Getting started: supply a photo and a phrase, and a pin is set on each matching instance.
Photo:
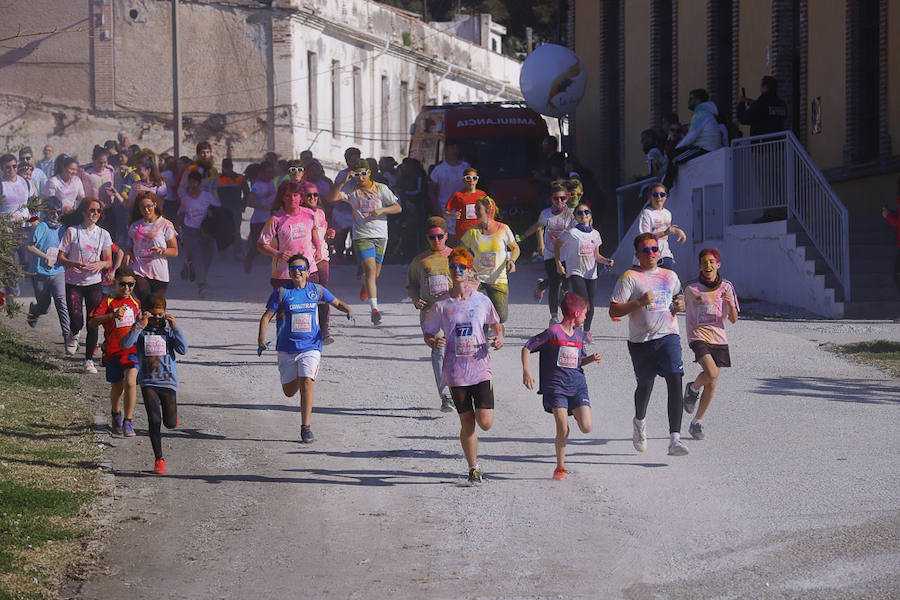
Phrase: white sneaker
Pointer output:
(89, 367)
(639, 436)
(71, 345)
(676, 448)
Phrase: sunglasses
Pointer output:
(148, 206)
(295, 169)
(458, 267)
(360, 173)
(585, 211)
(128, 284)
(650, 249)
(94, 211)
(26, 158)
(470, 177)
(435, 238)
(312, 195)
(301, 268)
(660, 194)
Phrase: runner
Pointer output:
(551, 223)
(153, 243)
(428, 280)
(49, 279)
(658, 220)
(195, 205)
(262, 199)
(290, 231)
(647, 294)
(84, 252)
(577, 253)
(372, 202)
(461, 205)
(311, 195)
(65, 185)
(708, 301)
(156, 339)
(495, 250)
(117, 313)
(462, 316)
(299, 339)
(563, 384)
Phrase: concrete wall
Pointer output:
(691, 52)
(587, 116)
(826, 76)
(754, 43)
(637, 89)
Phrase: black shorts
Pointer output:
(469, 397)
(719, 352)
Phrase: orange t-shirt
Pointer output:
(464, 201)
(117, 329)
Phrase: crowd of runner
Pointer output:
(100, 246)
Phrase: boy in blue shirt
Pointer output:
(563, 384)
(299, 341)
(48, 279)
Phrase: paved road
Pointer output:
(794, 492)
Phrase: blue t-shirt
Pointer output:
(560, 363)
(298, 330)
(44, 238)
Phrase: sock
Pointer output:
(694, 388)
(695, 421)
(373, 302)
(477, 466)
(304, 426)
(674, 437)
(640, 422)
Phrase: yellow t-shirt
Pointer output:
(491, 253)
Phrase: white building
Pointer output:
(478, 28)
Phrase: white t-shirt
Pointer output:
(67, 192)
(656, 221)
(15, 198)
(579, 252)
(656, 320)
(265, 195)
(363, 203)
(449, 179)
(195, 209)
(554, 226)
(87, 246)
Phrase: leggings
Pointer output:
(145, 286)
(676, 401)
(499, 297)
(553, 281)
(584, 288)
(91, 295)
(161, 408)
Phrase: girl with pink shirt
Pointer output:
(153, 242)
(290, 231)
(311, 197)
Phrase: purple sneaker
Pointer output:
(117, 423)
(129, 428)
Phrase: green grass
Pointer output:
(884, 354)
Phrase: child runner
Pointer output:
(649, 296)
(299, 342)
(658, 220)
(117, 313)
(551, 224)
(461, 205)
(563, 384)
(427, 281)
(195, 206)
(156, 339)
(153, 243)
(49, 280)
(467, 364)
(708, 301)
(577, 253)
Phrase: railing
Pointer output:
(629, 204)
(772, 172)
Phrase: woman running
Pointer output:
(65, 185)
(494, 247)
(85, 253)
(551, 223)
(156, 338)
(153, 243)
(462, 316)
(311, 196)
(291, 230)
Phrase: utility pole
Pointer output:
(176, 95)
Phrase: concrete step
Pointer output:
(871, 310)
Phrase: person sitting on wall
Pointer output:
(702, 137)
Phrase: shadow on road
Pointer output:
(863, 391)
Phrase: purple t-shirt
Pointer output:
(560, 363)
(466, 358)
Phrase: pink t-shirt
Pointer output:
(67, 193)
(292, 233)
(94, 181)
(144, 236)
(466, 357)
(82, 245)
(706, 311)
(656, 320)
(195, 209)
(321, 230)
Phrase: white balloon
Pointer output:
(552, 80)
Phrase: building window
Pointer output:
(421, 95)
(385, 110)
(312, 80)
(404, 105)
(335, 97)
(357, 103)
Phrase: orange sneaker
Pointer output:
(559, 474)
(160, 467)
(363, 295)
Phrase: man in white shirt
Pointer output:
(38, 176)
(447, 178)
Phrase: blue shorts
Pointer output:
(569, 401)
(370, 248)
(115, 367)
(657, 357)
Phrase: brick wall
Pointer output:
(103, 72)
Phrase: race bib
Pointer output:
(470, 212)
(568, 357)
(586, 249)
(707, 314)
(154, 345)
(466, 344)
(488, 260)
(127, 319)
(661, 301)
(438, 284)
(301, 323)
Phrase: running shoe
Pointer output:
(447, 404)
(71, 345)
(588, 338)
(559, 474)
(538, 291)
(476, 475)
(89, 368)
(639, 436)
(696, 431)
(31, 319)
(117, 423)
(376, 317)
(363, 294)
(128, 429)
(690, 399)
(676, 448)
(306, 435)
(159, 467)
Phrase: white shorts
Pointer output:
(292, 365)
